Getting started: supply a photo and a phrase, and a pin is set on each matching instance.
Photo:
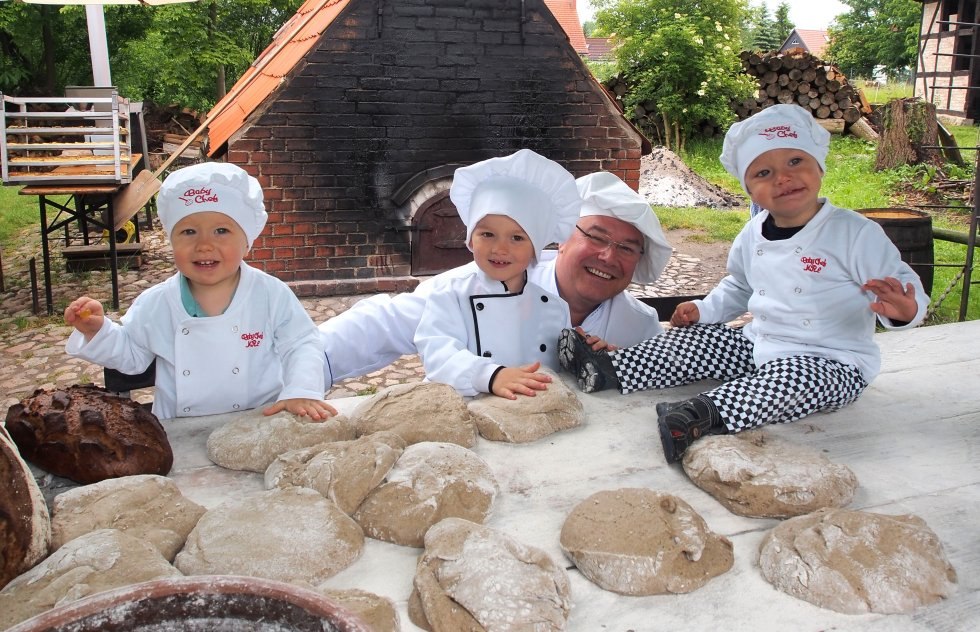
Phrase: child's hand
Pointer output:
(893, 302)
(511, 382)
(687, 313)
(315, 409)
(597, 343)
(86, 315)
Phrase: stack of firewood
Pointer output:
(798, 77)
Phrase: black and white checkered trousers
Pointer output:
(780, 391)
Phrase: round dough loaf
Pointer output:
(292, 534)
(87, 434)
(421, 411)
(760, 476)
(253, 441)
(25, 526)
(475, 578)
(856, 562)
(343, 471)
(430, 481)
(527, 419)
(150, 508)
(640, 542)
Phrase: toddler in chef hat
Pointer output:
(815, 278)
(487, 329)
(224, 335)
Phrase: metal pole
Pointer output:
(98, 46)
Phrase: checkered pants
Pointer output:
(780, 391)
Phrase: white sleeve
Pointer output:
(730, 298)
(300, 350)
(113, 347)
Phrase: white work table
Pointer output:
(912, 440)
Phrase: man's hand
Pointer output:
(685, 314)
(894, 301)
(86, 315)
(315, 409)
(511, 382)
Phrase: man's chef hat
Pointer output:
(781, 126)
(213, 186)
(537, 193)
(605, 194)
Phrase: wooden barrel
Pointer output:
(911, 232)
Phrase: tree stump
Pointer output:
(910, 134)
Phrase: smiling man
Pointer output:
(617, 240)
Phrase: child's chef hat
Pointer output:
(781, 126)
(605, 194)
(537, 193)
(213, 186)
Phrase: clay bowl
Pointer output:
(197, 604)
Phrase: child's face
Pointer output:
(502, 250)
(786, 182)
(208, 248)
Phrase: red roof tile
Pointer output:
(813, 40)
(567, 16)
(600, 48)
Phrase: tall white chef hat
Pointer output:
(781, 126)
(537, 193)
(213, 186)
(605, 194)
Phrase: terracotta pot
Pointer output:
(199, 603)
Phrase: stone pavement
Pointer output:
(32, 352)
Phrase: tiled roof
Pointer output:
(567, 16)
(600, 49)
(289, 45)
(813, 40)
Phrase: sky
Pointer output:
(805, 14)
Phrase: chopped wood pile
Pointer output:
(798, 77)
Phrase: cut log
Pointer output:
(834, 126)
(862, 129)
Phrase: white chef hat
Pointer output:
(603, 193)
(220, 187)
(781, 126)
(537, 193)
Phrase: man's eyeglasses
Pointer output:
(600, 243)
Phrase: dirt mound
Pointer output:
(666, 181)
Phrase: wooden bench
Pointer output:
(96, 257)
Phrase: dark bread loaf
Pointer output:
(88, 434)
(25, 525)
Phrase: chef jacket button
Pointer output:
(759, 252)
(235, 329)
(234, 371)
(479, 306)
(544, 299)
(236, 406)
(763, 317)
(798, 290)
(487, 354)
(185, 331)
(798, 250)
(186, 372)
(762, 292)
(543, 347)
(806, 323)
(187, 409)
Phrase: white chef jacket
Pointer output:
(805, 292)
(216, 364)
(377, 331)
(472, 326)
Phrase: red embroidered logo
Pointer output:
(813, 264)
(779, 131)
(253, 339)
(198, 196)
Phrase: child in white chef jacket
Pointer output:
(815, 278)
(487, 329)
(225, 336)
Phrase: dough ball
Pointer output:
(642, 542)
(253, 441)
(290, 534)
(377, 612)
(474, 578)
(528, 419)
(343, 471)
(430, 481)
(150, 508)
(856, 562)
(756, 475)
(89, 564)
(25, 526)
(421, 411)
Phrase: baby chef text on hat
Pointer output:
(219, 187)
(780, 126)
(537, 193)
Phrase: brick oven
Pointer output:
(357, 115)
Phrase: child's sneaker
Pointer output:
(593, 369)
(682, 422)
